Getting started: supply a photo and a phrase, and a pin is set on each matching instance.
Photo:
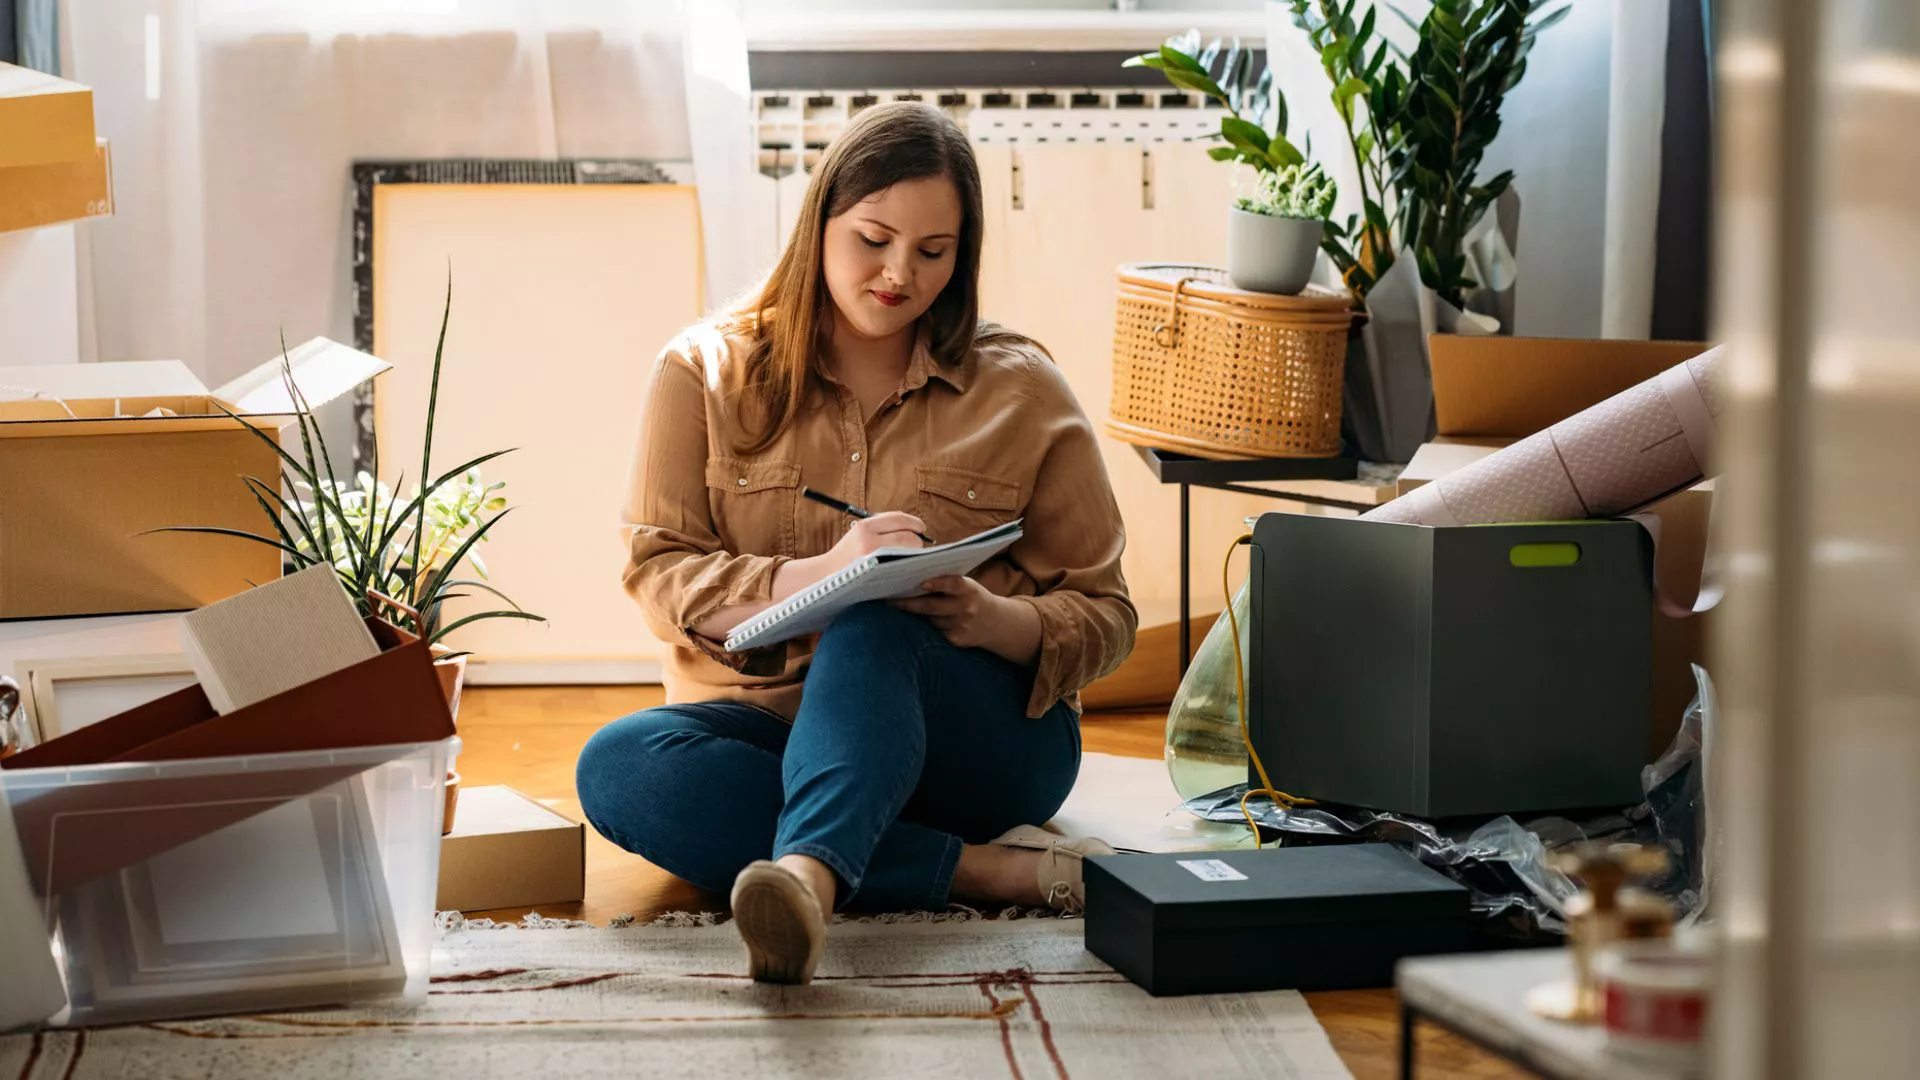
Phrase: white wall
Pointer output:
(39, 308)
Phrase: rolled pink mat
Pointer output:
(1634, 448)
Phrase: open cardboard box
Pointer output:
(1489, 392)
(55, 192)
(93, 457)
(79, 832)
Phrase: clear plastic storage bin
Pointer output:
(244, 884)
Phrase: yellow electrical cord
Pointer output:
(1240, 685)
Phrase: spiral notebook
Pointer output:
(887, 574)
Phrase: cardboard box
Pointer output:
(36, 195)
(106, 453)
(508, 851)
(1511, 387)
(76, 833)
(1677, 643)
(43, 120)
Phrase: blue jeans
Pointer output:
(904, 748)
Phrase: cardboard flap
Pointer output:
(322, 369)
(100, 382)
(1511, 387)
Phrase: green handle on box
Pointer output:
(1529, 556)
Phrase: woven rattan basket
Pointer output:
(1203, 368)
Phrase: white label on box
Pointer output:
(1211, 870)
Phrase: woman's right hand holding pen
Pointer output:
(890, 529)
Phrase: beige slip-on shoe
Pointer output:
(1060, 863)
(779, 919)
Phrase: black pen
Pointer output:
(847, 508)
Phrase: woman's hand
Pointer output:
(972, 618)
(868, 535)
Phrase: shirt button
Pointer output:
(743, 481)
(856, 455)
(970, 493)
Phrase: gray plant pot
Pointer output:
(1271, 254)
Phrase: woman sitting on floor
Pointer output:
(908, 753)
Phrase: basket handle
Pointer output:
(1167, 334)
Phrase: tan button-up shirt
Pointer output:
(996, 437)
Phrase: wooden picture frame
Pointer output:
(368, 175)
(41, 679)
(606, 266)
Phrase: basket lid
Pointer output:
(1211, 282)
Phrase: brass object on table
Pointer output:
(1607, 911)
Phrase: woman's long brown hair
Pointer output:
(883, 146)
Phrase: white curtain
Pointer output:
(234, 123)
(1582, 134)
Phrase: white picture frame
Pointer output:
(63, 694)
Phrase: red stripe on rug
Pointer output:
(478, 976)
(79, 1048)
(1006, 1030)
(1046, 1028)
(33, 1055)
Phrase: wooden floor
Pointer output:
(531, 737)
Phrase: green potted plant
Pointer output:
(1273, 234)
(399, 560)
(1418, 123)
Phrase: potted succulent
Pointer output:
(401, 560)
(1274, 234)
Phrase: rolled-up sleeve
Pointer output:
(1072, 547)
(676, 569)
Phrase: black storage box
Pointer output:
(1307, 918)
(1440, 672)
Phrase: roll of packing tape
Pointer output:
(1654, 998)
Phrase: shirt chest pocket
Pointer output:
(753, 504)
(956, 503)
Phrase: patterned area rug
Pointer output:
(1019, 998)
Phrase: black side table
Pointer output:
(1235, 476)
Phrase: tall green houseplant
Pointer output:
(1418, 126)
(378, 545)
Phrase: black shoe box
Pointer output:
(1306, 918)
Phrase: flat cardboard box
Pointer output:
(1511, 387)
(1677, 643)
(89, 467)
(508, 851)
(43, 120)
(57, 192)
(78, 832)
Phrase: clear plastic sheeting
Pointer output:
(1504, 862)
